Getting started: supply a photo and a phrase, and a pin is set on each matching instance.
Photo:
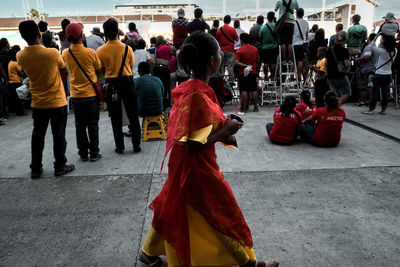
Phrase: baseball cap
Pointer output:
(74, 30)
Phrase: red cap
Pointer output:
(74, 30)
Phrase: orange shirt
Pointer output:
(90, 62)
(111, 55)
(42, 66)
(13, 72)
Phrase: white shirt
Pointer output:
(237, 44)
(140, 55)
(382, 56)
(304, 30)
(94, 41)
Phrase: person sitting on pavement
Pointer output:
(83, 96)
(287, 123)
(306, 107)
(247, 59)
(149, 90)
(49, 102)
(338, 67)
(385, 57)
(269, 47)
(356, 35)
(328, 121)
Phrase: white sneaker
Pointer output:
(369, 112)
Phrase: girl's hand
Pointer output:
(232, 126)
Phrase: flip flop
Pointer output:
(146, 260)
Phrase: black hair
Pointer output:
(227, 19)
(314, 28)
(331, 100)
(46, 39)
(216, 23)
(236, 24)
(356, 18)
(320, 34)
(144, 68)
(260, 20)
(300, 12)
(13, 52)
(153, 40)
(288, 106)
(132, 44)
(323, 48)
(270, 16)
(372, 36)
(29, 30)
(64, 24)
(132, 26)
(160, 40)
(246, 38)
(197, 49)
(141, 44)
(339, 27)
(389, 43)
(42, 26)
(110, 28)
(4, 43)
(198, 12)
(306, 96)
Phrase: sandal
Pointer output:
(151, 261)
(261, 264)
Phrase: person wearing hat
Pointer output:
(356, 35)
(83, 96)
(49, 102)
(337, 67)
(390, 27)
(95, 40)
(179, 29)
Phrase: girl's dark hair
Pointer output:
(132, 44)
(331, 100)
(314, 28)
(320, 34)
(141, 44)
(389, 43)
(306, 96)
(64, 24)
(288, 106)
(197, 49)
(13, 52)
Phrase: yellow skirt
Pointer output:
(208, 247)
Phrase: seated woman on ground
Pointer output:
(287, 123)
(306, 107)
(329, 121)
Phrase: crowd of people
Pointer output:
(138, 80)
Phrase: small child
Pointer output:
(321, 82)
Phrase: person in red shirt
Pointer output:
(247, 57)
(306, 108)
(180, 29)
(226, 37)
(329, 121)
(287, 123)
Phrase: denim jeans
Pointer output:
(58, 121)
(307, 133)
(86, 116)
(381, 82)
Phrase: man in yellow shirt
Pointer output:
(83, 95)
(49, 103)
(111, 56)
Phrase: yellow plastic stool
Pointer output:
(154, 128)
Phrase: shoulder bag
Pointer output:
(305, 45)
(113, 84)
(341, 66)
(279, 24)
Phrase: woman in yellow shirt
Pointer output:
(15, 75)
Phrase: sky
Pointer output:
(10, 8)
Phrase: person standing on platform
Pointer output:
(179, 29)
(49, 103)
(269, 47)
(286, 34)
(356, 35)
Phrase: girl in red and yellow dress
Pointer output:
(197, 221)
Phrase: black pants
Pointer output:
(127, 97)
(14, 103)
(86, 116)
(321, 87)
(307, 133)
(381, 82)
(58, 121)
(3, 100)
(269, 127)
(165, 76)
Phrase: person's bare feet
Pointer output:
(251, 263)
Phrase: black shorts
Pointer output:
(269, 56)
(286, 35)
(299, 52)
(248, 83)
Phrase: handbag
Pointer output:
(96, 86)
(23, 92)
(342, 69)
(279, 23)
(112, 84)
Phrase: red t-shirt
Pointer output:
(224, 43)
(248, 54)
(163, 52)
(285, 128)
(329, 126)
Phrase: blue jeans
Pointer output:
(307, 133)
(381, 82)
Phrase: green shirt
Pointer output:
(267, 38)
(354, 30)
(293, 6)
